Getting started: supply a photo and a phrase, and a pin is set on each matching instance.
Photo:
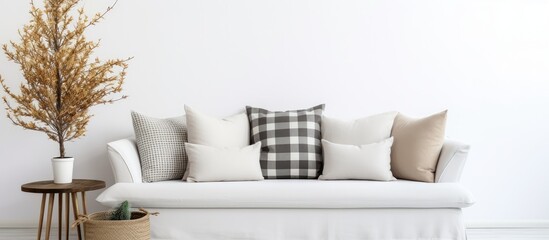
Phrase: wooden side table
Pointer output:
(70, 190)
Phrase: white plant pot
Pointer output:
(62, 169)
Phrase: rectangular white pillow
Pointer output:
(360, 131)
(369, 162)
(210, 164)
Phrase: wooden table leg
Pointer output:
(50, 211)
(67, 210)
(76, 212)
(41, 216)
(84, 203)
(84, 208)
(60, 216)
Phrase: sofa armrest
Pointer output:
(124, 160)
(451, 161)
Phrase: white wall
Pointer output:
(485, 61)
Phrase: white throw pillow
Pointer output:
(360, 131)
(369, 162)
(233, 131)
(210, 164)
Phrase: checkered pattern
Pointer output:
(290, 141)
(161, 147)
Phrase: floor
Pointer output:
(508, 234)
(473, 234)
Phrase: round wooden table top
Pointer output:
(77, 185)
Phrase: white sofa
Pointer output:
(296, 209)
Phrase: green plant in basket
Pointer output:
(123, 212)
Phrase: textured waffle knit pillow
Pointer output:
(161, 147)
(290, 141)
(417, 145)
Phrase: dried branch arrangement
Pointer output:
(61, 79)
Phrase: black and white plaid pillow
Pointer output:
(161, 146)
(290, 141)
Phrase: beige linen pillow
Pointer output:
(416, 147)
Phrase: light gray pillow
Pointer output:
(213, 164)
(161, 146)
(359, 131)
(368, 161)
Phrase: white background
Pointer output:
(485, 61)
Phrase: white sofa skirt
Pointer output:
(313, 224)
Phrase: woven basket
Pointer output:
(98, 227)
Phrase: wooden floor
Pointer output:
(28, 234)
(472, 234)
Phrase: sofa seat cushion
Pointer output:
(289, 194)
